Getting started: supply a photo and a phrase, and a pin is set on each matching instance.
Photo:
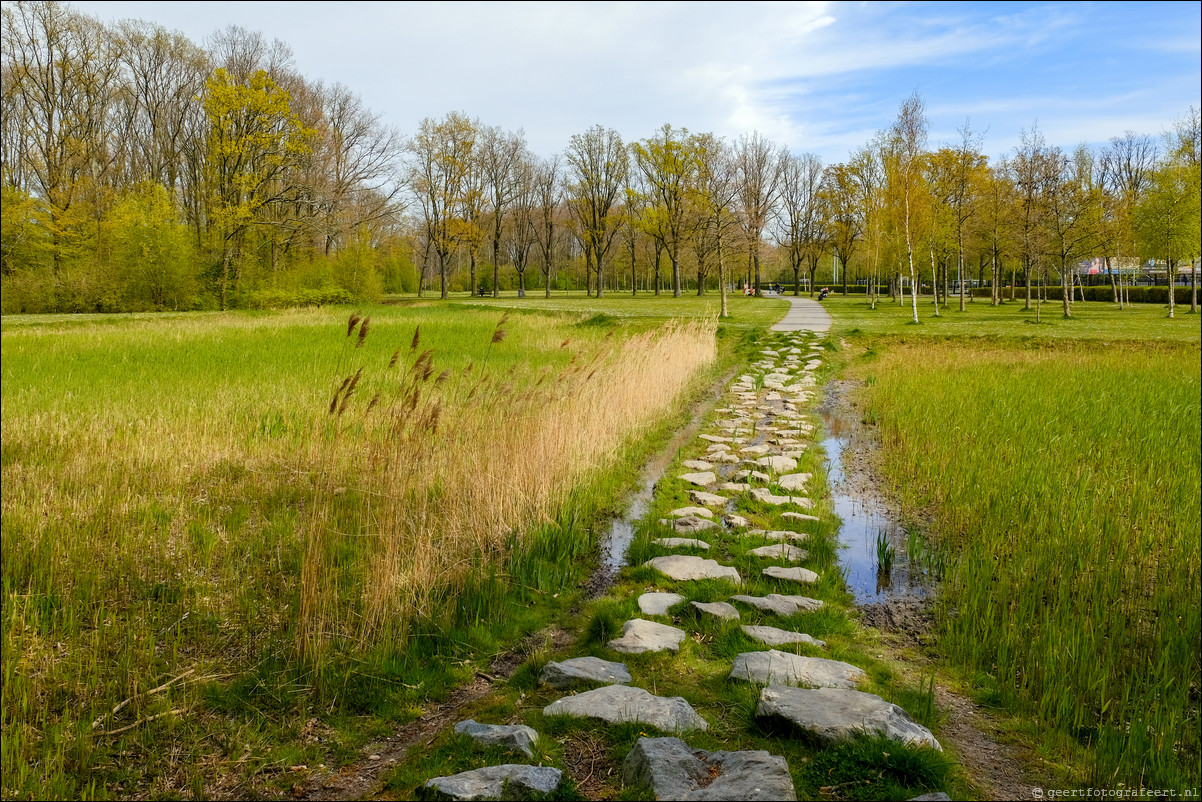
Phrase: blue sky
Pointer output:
(818, 77)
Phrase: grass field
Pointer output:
(1058, 468)
(218, 526)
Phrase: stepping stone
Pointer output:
(658, 603)
(760, 449)
(781, 551)
(639, 637)
(513, 736)
(781, 637)
(740, 476)
(514, 779)
(673, 770)
(681, 543)
(584, 671)
(802, 575)
(794, 481)
(615, 704)
(781, 668)
(799, 516)
(703, 479)
(713, 438)
(734, 487)
(691, 524)
(721, 610)
(680, 567)
(836, 714)
(726, 458)
(781, 605)
(778, 464)
(683, 512)
(736, 521)
(707, 499)
(781, 534)
(697, 465)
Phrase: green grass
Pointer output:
(159, 482)
(1092, 320)
(1063, 480)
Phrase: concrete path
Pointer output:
(805, 315)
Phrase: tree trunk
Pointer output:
(674, 256)
(1171, 272)
(935, 282)
(496, 268)
(1193, 284)
(1066, 288)
(960, 266)
(471, 252)
(1027, 278)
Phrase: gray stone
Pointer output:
(835, 714)
(683, 512)
(757, 450)
(584, 671)
(707, 499)
(780, 604)
(734, 487)
(803, 575)
(737, 521)
(513, 780)
(693, 523)
(512, 736)
(681, 543)
(639, 636)
(674, 771)
(703, 479)
(658, 603)
(697, 465)
(793, 481)
(799, 516)
(726, 458)
(938, 796)
(781, 534)
(713, 438)
(684, 568)
(781, 551)
(781, 637)
(614, 704)
(721, 610)
(782, 668)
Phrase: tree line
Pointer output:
(140, 170)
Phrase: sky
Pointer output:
(819, 77)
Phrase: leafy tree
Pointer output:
(442, 153)
(599, 165)
(668, 169)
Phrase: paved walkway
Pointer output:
(805, 315)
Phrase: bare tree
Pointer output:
(549, 194)
(442, 151)
(801, 230)
(500, 155)
(759, 168)
(599, 164)
(715, 197)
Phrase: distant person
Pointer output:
(822, 293)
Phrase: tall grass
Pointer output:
(185, 523)
(1064, 482)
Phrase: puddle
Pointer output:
(864, 517)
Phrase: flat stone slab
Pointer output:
(782, 668)
(794, 481)
(837, 714)
(584, 671)
(798, 574)
(736, 521)
(707, 499)
(690, 524)
(781, 535)
(702, 479)
(781, 604)
(658, 603)
(759, 450)
(781, 637)
(777, 464)
(684, 512)
(639, 637)
(781, 551)
(615, 704)
(516, 780)
(697, 465)
(512, 736)
(741, 476)
(685, 568)
(734, 487)
(766, 496)
(721, 610)
(714, 438)
(799, 516)
(681, 543)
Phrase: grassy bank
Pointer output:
(237, 543)
(1058, 473)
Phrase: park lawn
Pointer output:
(1092, 320)
(182, 507)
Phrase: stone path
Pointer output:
(752, 456)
